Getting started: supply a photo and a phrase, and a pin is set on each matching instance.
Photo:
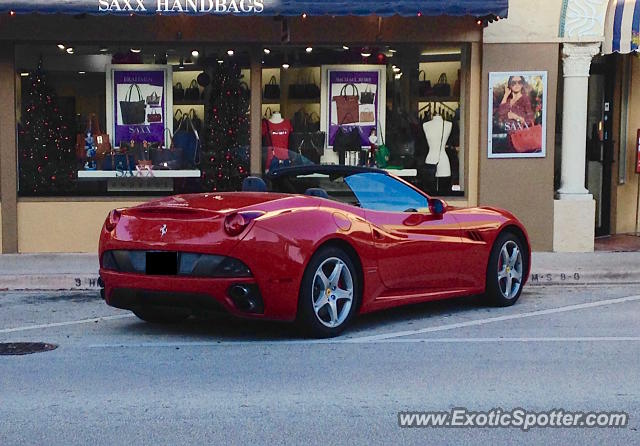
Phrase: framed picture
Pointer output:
(354, 100)
(517, 125)
(139, 100)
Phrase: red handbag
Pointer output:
(347, 105)
(527, 140)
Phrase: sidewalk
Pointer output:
(80, 271)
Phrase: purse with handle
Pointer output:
(442, 88)
(527, 140)
(347, 105)
(133, 111)
(272, 89)
(367, 96)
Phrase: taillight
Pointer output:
(113, 219)
(235, 223)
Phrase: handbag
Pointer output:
(133, 112)
(442, 88)
(153, 100)
(347, 105)
(166, 158)
(298, 90)
(311, 90)
(154, 117)
(347, 140)
(367, 97)
(186, 139)
(367, 116)
(272, 89)
(424, 85)
(313, 122)
(178, 92)
(195, 120)
(192, 93)
(527, 140)
(177, 119)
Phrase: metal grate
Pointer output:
(25, 348)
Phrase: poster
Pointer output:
(353, 100)
(518, 114)
(139, 97)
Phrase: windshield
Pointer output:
(369, 190)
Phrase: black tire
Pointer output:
(496, 288)
(160, 315)
(307, 320)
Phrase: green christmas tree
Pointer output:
(225, 154)
(46, 149)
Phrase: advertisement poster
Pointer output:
(353, 101)
(138, 104)
(518, 114)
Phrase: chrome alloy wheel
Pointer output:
(332, 292)
(510, 269)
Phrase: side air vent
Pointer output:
(475, 236)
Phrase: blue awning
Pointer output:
(476, 8)
(622, 27)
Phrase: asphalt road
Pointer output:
(122, 381)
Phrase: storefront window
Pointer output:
(96, 120)
(395, 108)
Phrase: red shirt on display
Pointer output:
(277, 137)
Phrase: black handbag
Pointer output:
(133, 112)
(177, 119)
(195, 120)
(442, 88)
(367, 96)
(311, 90)
(272, 89)
(192, 93)
(178, 92)
(424, 85)
(347, 140)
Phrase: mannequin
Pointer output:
(437, 132)
(276, 131)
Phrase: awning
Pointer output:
(476, 8)
(622, 27)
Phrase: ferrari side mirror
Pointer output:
(436, 206)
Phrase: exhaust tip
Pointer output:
(247, 298)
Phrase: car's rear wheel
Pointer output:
(160, 315)
(329, 293)
(506, 270)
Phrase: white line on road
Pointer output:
(63, 324)
(382, 341)
(507, 317)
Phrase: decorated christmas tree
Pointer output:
(45, 147)
(225, 152)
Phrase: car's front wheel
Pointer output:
(329, 293)
(506, 270)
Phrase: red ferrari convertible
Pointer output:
(325, 243)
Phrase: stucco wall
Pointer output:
(57, 226)
(524, 186)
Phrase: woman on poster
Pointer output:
(516, 114)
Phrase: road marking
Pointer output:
(64, 324)
(490, 320)
(382, 341)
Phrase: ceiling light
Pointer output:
(135, 50)
(82, 72)
(309, 49)
(345, 47)
(70, 50)
(267, 51)
(61, 46)
(304, 15)
(220, 61)
(365, 53)
(230, 53)
(104, 50)
(24, 74)
(195, 53)
(285, 66)
(398, 76)
(396, 69)
(391, 50)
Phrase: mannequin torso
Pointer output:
(437, 132)
(276, 118)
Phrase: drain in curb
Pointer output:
(25, 348)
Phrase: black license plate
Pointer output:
(162, 263)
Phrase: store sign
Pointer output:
(182, 6)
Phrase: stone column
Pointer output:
(574, 209)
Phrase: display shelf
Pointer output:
(189, 102)
(103, 174)
(271, 101)
(403, 172)
(304, 101)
